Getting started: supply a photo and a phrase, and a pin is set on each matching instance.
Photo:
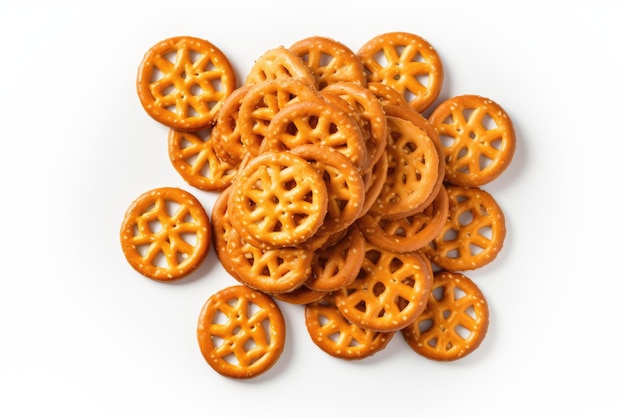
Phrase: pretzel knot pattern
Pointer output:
(182, 82)
(454, 322)
(153, 231)
(241, 332)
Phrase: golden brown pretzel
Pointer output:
(330, 60)
(193, 156)
(184, 93)
(226, 134)
(410, 233)
(337, 265)
(455, 320)
(165, 234)
(401, 60)
(414, 170)
(241, 332)
(478, 139)
(279, 62)
(473, 234)
(391, 291)
(268, 270)
(316, 122)
(277, 200)
(338, 337)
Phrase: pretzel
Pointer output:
(407, 234)
(279, 62)
(226, 134)
(261, 103)
(371, 114)
(193, 156)
(478, 139)
(270, 271)
(316, 122)
(455, 320)
(344, 185)
(331, 61)
(185, 92)
(165, 234)
(338, 337)
(337, 265)
(390, 292)
(401, 60)
(414, 173)
(277, 200)
(473, 233)
(241, 332)
(374, 180)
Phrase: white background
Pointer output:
(85, 335)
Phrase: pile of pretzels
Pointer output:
(336, 191)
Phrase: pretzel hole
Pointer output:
(486, 232)
(378, 289)
(361, 306)
(466, 217)
(475, 249)
(450, 235)
(409, 148)
(425, 325)
(373, 256)
(423, 79)
(462, 331)
(445, 314)
(459, 293)
(484, 161)
(467, 113)
(380, 58)
(155, 226)
(488, 122)
(446, 140)
(395, 264)
(470, 311)
(437, 293)
(453, 254)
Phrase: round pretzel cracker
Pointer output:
(279, 62)
(331, 61)
(241, 332)
(165, 234)
(277, 200)
(390, 292)
(455, 320)
(402, 60)
(477, 136)
(186, 91)
(332, 333)
(473, 234)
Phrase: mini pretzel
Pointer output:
(270, 271)
(279, 62)
(316, 122)
(407, 234)
(241, 332)
(184, 92)
(390, 292)
(413, 172)
(226, 134)
(401, 60)
(455, 320)
(165, 234)
(473, 233)
(371, 114)
(193, 156)
(263, 101)
(331, 61)
(344, 185)
(337, 265)
(278, 200)
(338, 337)
(478, 139)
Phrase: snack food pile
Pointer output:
(335, 192)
